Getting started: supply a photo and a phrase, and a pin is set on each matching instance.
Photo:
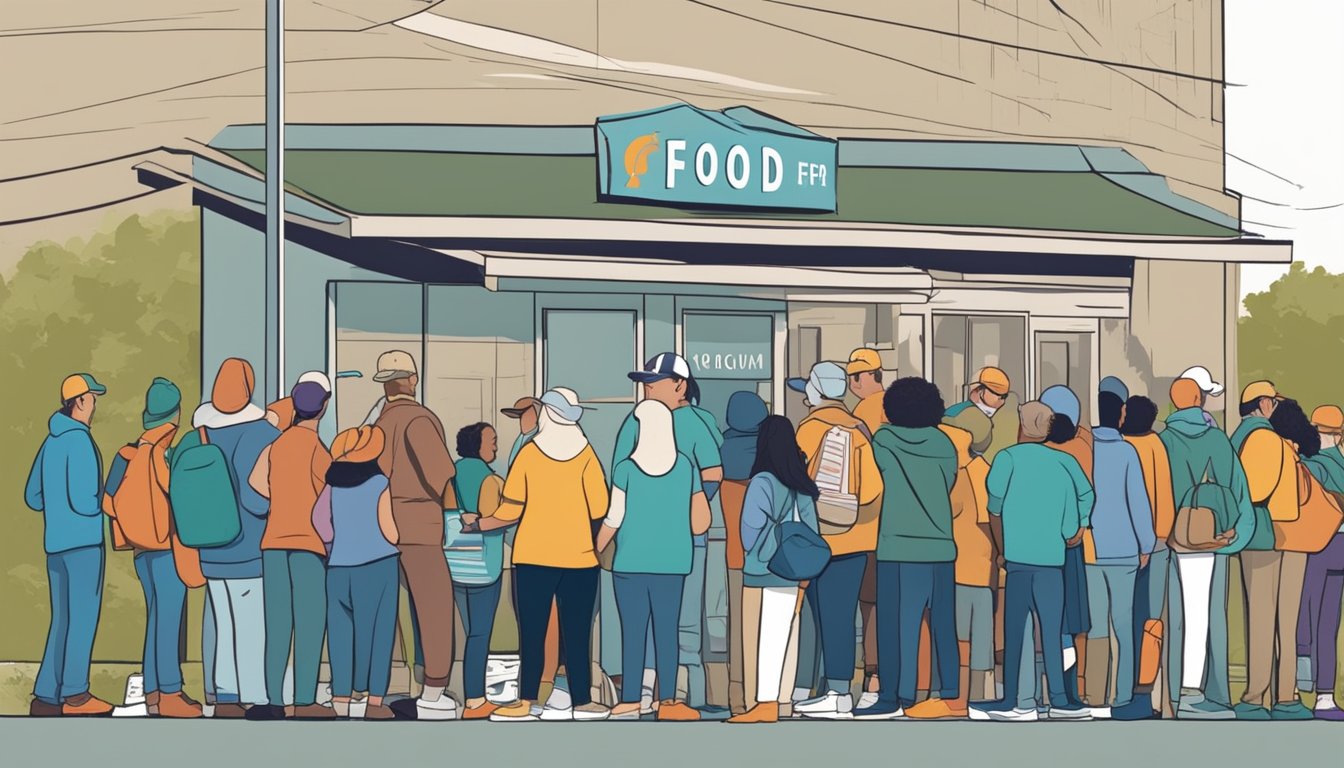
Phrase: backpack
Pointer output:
(1317, 522)
(1198, 522)
(140, 508)
(838, 505)
(800, 552)
(205, 505)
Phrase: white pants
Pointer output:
(240, 645)
(1196, 572)
(778, 631)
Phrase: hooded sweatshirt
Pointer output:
(865, 479)
(1327, 467)
(919, 469)
(975, 547)
(746, 411)
(1192, 445)
(1122, 519)
(556, 487)
(1044, 499)
(1270, 464)
(66, 485)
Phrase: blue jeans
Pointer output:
(643, 599)
(477, 604)
(1038, 590)
(1110, 598)
(165, 602)
(294, 584)
(904, 592)
(75, 580)
(834, 597)
(362, 625)
(690, 632)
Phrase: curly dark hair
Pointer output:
(913, 402)
(469, 440)
(1291, 423)
(1140, 415)
(1062, 430)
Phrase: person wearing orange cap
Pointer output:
(353, 518)
(1204, 460)
(865, 382)
(65, 485)
(989, 392)
(1319, 614)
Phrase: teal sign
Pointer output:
(729, 346)
(687, 157)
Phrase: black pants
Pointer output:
(575, 592)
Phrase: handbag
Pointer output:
(1316, 524)
(801, 554)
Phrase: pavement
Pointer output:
(205, 743)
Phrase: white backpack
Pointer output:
(838, 505)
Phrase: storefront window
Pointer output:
(729, 352)
(962, 345)
(593, 352)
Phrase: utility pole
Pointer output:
(275, 198)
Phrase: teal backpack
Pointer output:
(205, 506)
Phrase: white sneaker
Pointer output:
(505, 692)
(1014, 716)
(207, 710)
(867, 699)
(358, 707)
(134, 710)
(559, 707)
(444, 708)
(1064, 714)
(832, 706)
(591, 712)
(1100, 713)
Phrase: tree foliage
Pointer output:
(125, 306)
(1294, 336)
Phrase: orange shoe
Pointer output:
(936, 709)
(765, 712)
(177, 706)
(86, 705)
(676, 712)
(483, 712)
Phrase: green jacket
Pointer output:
(1192, 447)
(1328, 468)
(919, 468)
(1044, 498)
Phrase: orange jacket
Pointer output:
(1157, 477)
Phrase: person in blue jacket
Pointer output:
(65, 485)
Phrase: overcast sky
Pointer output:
(1285, 114)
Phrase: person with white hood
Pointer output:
(555, 490)
(657, 505)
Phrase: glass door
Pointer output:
(593, 351)
(729, 352)
(1066, 359)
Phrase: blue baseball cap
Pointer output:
(563, 405)
(663, 366)
(1114, 386)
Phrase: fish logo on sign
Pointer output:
(637, 158)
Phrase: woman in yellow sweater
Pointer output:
(555, 490)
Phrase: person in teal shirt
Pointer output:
(657, 505)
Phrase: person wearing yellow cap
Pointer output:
(1319, 614)
(865, 382)
(65, 486)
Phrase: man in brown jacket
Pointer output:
(420, 472)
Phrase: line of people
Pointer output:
(987, 560)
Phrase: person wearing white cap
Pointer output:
(666, 378)
(554, 491)
(281, 412)
(1201, 376)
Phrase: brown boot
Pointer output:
(176, 706)
(379, 712)
(40, 708)
(765, 712)
(316, 712)
(230, 711)
(86, 705)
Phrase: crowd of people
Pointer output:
(990, 560)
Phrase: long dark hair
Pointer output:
(1291, 423)
(777, 453)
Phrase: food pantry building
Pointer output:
(511, 259)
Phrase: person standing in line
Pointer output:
(865, 383)
(746, 412)
(839, 455)
(657, 505)
(478, 565)
(1069, 435)
(556, 488)
(1038, 500)
(1123, 541)
(916, 552)
(353, 518)
(1272, 579)
(65, 485)
(702, 586)
(1202, 456)
(525, 410)
(1318, 622)
(233, 572)
(291, 472)
(780, 490)
(1207, 386)
(281, 412)
(136, 499)
(420, 471)
(1150, 592)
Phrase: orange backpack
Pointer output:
(1318, 521)
(140, 509)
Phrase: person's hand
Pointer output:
(1228, 536)
(1076, 540)
(1143, 561)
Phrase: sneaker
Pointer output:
(1070, 713)
(133, 710)
(442, 708)
(980, 711)
(591, 712)
(831, 706)
(1099, 713)
(265, 713)
(630, 712)
(1291, 710)
(880, 710)
(1331, 714)
(378, 712)
(502, 692)
(1196, 707)
(1137, 709)
(936, 709)
(867, 699)
(1245, 711)
(646, 700)
(359, 708)
(86, 705)
(518, 712)
(675, 712)
(1003, 712)
(559, 705)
